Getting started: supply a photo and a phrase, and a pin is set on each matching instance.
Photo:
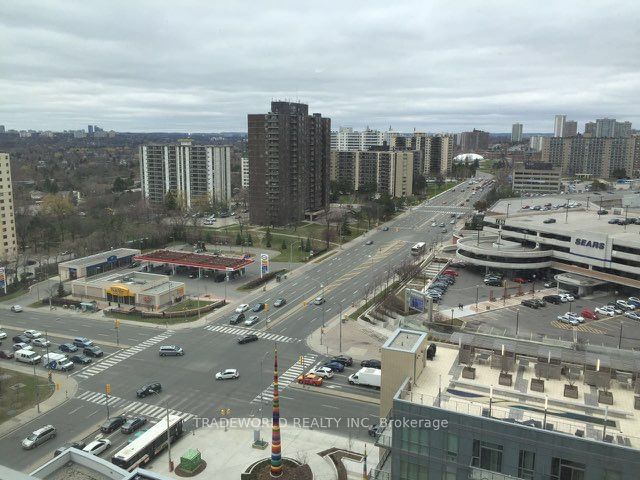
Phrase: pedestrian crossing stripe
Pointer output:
(579, 328)
(288, 377)
(132, 407)
(115, 358)
(246, 331)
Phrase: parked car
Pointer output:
(566, 297)
(344, 359)
(605, 310)
(68, 348)
(371, 363)
(450, 272)
(555, 299)
(41, 342)
(529, 303)
(318, 301)
(335, 366)
(31, 334)
(16, 308)
(539, 302)
(243, 307)
(568, 319)
(81, 359)
(634, 301)
(549, 220)
(6, 354)
(82, 342)
(236, 319)
(62, 448)
(310, 379)
(171, 351)
(369, 242)
(616, 308)
(93, 351)
(3, 335)
(248, 339)
(132, 424)
(112, 424)
(550, 284)
(579, 318)
(258, 307)
(97, 446)
(588, 313)
(625, 305)
(149, 389)
(39, 436)
(21, 339)
(385, 229)
(279, 302)
(632, 315)
(324, 372)
(252, 320)
(228, 374)
(21, 346)
(520, 280)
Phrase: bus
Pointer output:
(418, 248)
(149, 444)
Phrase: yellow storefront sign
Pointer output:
(119, 291)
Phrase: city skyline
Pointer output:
(112, 64)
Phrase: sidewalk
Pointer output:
(234, 447)
(66, 388)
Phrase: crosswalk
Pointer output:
(579, 328)
(287, 378)
(118, 357)
(131, 407)
(238, 331)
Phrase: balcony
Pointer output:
(477, 473)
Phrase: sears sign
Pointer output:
(595, 246)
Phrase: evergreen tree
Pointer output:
(249, 239)
(170, 202)
(60, 290)
(284, 245)
(345, 231)
(238, 239)
(307, 248)
(267, 238)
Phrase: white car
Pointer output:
(568, 319)
(318, 301)
(21, 346)
(576, 316)
(324, 372)
(632, 315)
(605, 311)
(243, 307)
(228, 374)
(252, 320)
(3, 335)
(32, 334)
(16, 308)
(434, 224)
(625, 305)
(566, 297)
(97, 446)
(41, 342)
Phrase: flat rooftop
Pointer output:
(484, 396)
(198, 260)
(127, 277)
(405, 340)
(99, 258)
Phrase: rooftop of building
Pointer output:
(98, 258)
(405, 340)
(196, 260)
(505, 372)
(126, 277)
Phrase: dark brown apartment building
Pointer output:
(289, 152)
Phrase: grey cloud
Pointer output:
(202, 66)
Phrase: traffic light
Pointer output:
(266, 307)
(304, 304)
(301, 360)
(117, 323)
(107, 389)
(57, 386)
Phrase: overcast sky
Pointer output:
(199, 66)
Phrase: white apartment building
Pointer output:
(348, 140)
(244, 172)
(190, 171)
(516, 132)
(8, 243)
(535, 142)
(558, 125)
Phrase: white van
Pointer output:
(57, 361)
(27, 356)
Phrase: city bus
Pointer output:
(149, 444)
(418, 248)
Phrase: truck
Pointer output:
(57, 361)
(369, 377)
(27, 356)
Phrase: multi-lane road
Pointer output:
(188, 385)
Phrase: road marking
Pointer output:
(267, 335)
(287, 377)
(329, 406)
(75, 410)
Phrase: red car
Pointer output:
(520, 280)
(587, 313)
(6, 354)
(451, 273)
(310, 379)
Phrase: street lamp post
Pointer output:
(340, 341)
(517, 320)
(35, 387)
(477, 295)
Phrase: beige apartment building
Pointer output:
(8, 243)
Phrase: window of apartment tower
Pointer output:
(487, 456)
(413, 471)
(612, 475)
(451, 446)
(526, 464)
(415, 440)
(562, 469)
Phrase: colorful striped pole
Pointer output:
(364, 467)
(276, 456)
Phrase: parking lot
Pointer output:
(541, 322)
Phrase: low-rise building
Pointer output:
(536, 177)
(96, 264)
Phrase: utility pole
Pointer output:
(35, 387)
(620, 337)
(517, 320)
(340, 345)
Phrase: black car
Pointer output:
(603, 212)
(21, 339)
(371, 363)
(149, 389)
(555, 299)
(529, 303)
(248, 339)
(112, 424)
(549, 220)
(258, 307)
(279, 302)
(78, 445)
(493, 283)
(343, 359)
(132, 424)
(93, 351)
(236, 319)
(81, 359)
(68, 348)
